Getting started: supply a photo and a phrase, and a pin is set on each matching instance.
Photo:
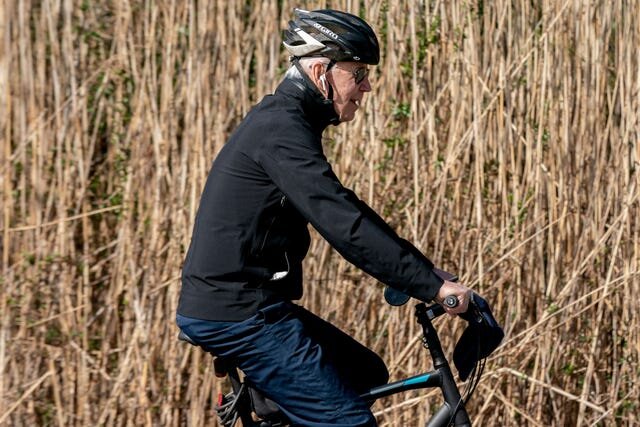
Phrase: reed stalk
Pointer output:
(501, 137)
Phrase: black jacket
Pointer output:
(268, 182)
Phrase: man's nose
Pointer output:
(365, 85)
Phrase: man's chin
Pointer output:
(347, 116)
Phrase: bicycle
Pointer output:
(481, 337)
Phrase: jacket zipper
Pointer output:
(273, 220)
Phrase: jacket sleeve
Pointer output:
(302, 172)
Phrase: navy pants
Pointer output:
(310, 368)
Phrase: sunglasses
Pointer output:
(359, 74)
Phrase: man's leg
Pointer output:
(359, 365)
(283, 360)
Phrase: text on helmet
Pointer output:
(326, 31)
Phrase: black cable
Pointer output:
(478, 371)
(470, 387)
(461, 400)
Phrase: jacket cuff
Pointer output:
(427, 288)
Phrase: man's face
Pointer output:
(348, 93)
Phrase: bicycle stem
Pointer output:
(449, 389)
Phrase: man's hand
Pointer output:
(457, 290)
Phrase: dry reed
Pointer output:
(501, 137)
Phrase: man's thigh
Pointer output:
(357, 364)
(296, 372)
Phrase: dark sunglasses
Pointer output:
(359, 74)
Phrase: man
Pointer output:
(244, 265)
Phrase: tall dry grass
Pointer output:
(501, 137)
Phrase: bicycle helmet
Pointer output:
(336, 35)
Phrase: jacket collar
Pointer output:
(320, 111)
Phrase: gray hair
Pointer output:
(306, 63)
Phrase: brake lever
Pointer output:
(473, 313)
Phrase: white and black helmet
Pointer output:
(336, 35)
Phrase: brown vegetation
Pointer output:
(501, 137)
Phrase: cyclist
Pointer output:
(244, 265)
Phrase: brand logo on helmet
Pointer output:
(326, 31)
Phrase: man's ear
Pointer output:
(318, 77)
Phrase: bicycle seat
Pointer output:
(220, 367)
(184, 337)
